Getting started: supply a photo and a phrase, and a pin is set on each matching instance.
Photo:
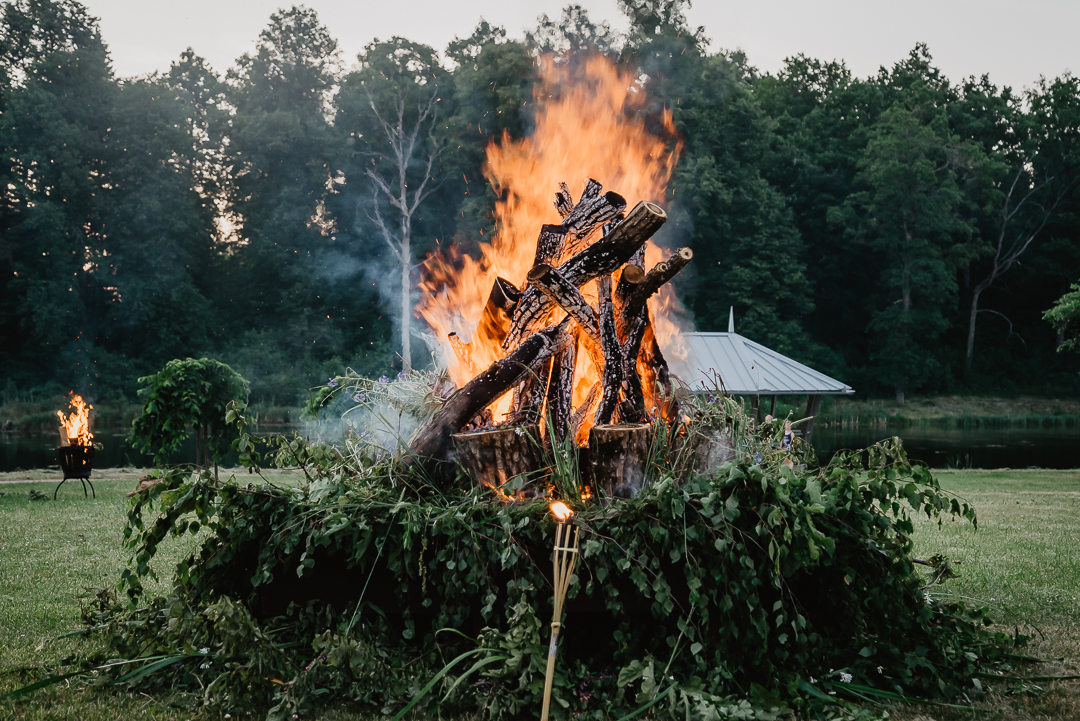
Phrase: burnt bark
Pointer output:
(432, 441)
(528, 403)
(609, 341)
(549, 246)
(553, 285)
(602, 257)
(495, 321)
(652, 282)
(560, 391)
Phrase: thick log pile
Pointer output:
(539, 327)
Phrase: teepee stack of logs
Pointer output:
(540, 327)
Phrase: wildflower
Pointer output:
(926, 597)
(358, 397)
(204, 651)
(518, 431)
(401, 375)
(880, 670)
(845, 677)
(332, 383)
(383, 380)
(758, 456)
(204, 666)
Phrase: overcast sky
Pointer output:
(1014, 42)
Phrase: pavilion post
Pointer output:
(813, 404)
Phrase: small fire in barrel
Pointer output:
(76, 449)
(75, 428)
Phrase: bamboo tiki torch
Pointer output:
(564, 559)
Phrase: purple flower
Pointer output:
(358, 397)
(401, 375)
(384, 380)
(332, 383)
(758, 456)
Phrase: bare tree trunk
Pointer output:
(406, 305)
(971, 326)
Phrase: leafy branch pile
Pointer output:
(745, 594)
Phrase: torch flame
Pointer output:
(561, 511)
(589, 124)
(77, 423)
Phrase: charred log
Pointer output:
(654, 279)
(528, 403)
(552, 284)
(496, 320)
(549, 246)
(602, 257)
(609, 341)
(560, 391)
(433, 439)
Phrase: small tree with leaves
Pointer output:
(191, 392)
(1065, 311)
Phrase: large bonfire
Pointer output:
(746, 590)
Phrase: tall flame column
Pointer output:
(564, 559)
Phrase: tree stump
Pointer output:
(497, 457)
(617, 455)
(713, 449)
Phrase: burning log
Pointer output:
(601, 258)
(652, 282)
(617, 456)
(433, 439)
(609, 341)
(592, 210)
(552, 284)
(584, 409)
(529, 395)
(495, 321)
(560, 391)
(657, 376)
(549, 246)
(564, 202)
(632, 410)
(498, 456)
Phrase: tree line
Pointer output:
(903, 232)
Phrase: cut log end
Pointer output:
(496, 457)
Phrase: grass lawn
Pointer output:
(1023, 562)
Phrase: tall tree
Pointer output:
(54, 132)
(1038, 168)
(909, 213)
(391, 107)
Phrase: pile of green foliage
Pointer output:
(745, 593)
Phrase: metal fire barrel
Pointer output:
(76, 462)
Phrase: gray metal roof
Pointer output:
(746, 367)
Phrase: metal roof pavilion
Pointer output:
(747, 368)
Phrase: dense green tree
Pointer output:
(55, 133)
(748, 251)
(908, 211)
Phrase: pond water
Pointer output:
(1057, 447)
(1054, 447)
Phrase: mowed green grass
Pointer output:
(1023, 563)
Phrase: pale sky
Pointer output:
(1013, 42)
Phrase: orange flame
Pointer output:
(587, 126)
(77, 425)
(561, 511)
